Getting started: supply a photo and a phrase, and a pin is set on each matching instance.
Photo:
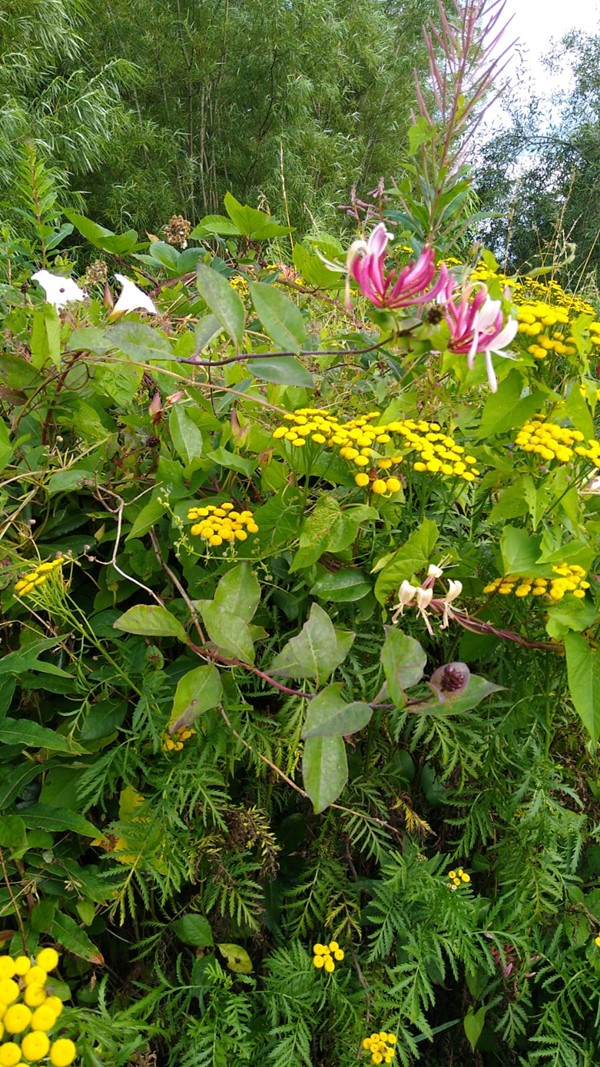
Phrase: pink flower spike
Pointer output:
(477, 325)
(413, 285)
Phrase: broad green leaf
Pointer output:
(215, 224)
(100, 237)
(207, 328)
(316, 651)
(223, 301)
(403, 661)
(27, 734)
(45, 336)
(232, 462)
(186, 436)
(407, 561)
(119, 382)
(12, 833)
(48, 817)
(151, 620)
(583, 672)
(236, 958)
(198, 691)
(280, 317)
(26, 659)
(228, 631)
(315, 532)
(149, 515)
(68, 480)
(420, 131)
(193, 930)
(14, 780)
(251, 222)
(314, 271)
(239, 591)
(329, 715)
(342, 587)
(139, 341)
(570, 614)
(68, 934)
(507, 408)
(281, 370)
(344, 530)
(473, 1023)
(324, 770)
(520, 551)
(88, 339)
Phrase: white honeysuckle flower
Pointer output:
(59, 291)
(423, 598)
(406, 593)
(434, 571)
(132, 298)
(454, 590)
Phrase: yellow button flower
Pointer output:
(47, 959)
(62, 1052)
(17, 1018)
(35, 1045)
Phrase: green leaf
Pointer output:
(520, 551)
(342, 587)
(139, 341)
(100, 237)
(473, 1023)
(418, 133)
(12, 833)
(569, 614)
(88, 339)
(26, 659)
(583, 672)
(186, 436)
(280, 317)
(239, 591)
(407, 561)
(506, 409)
(251, 222)
(6, 449)
(231, 462)
(15, 779)
(68, 480)
(281, 370)
(316, 651)
(197, 691)
(324, 770)
(68, 934)
(151, 620)
(329, 715)
(207, 328)
(27, 734)
(45, 336)
(48, 817)
(223, 301)
(403, 661)
(218, 224)
(194, 930)
(228, 631)
(314, 271)
(315, 532)
(149, 515)
(236, 958)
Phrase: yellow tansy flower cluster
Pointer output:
(240, 285)
(381, 1047)
(356, 439)
(552, 441)
(594, 328)
(570, 580)
(325, 956)
(221, 522)
(544, 324)
(28, 1013)
(597, 941)
(37, 577)
(458, 877)
(175, 742)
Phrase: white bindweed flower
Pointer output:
(131, 298)
(59, 291)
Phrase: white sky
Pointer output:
(536, 23)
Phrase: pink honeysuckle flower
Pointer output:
(477, 325)
(405, 288)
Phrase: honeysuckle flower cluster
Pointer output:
(174, 742)
(476, 324)
(458, 878)
(355, 440)
(37, 577)
(411, 286)
(551, 441)
(219, 523)
(422, 597)
(28, 1013)
(326, 956)
(570, 580)
(381, 1046)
